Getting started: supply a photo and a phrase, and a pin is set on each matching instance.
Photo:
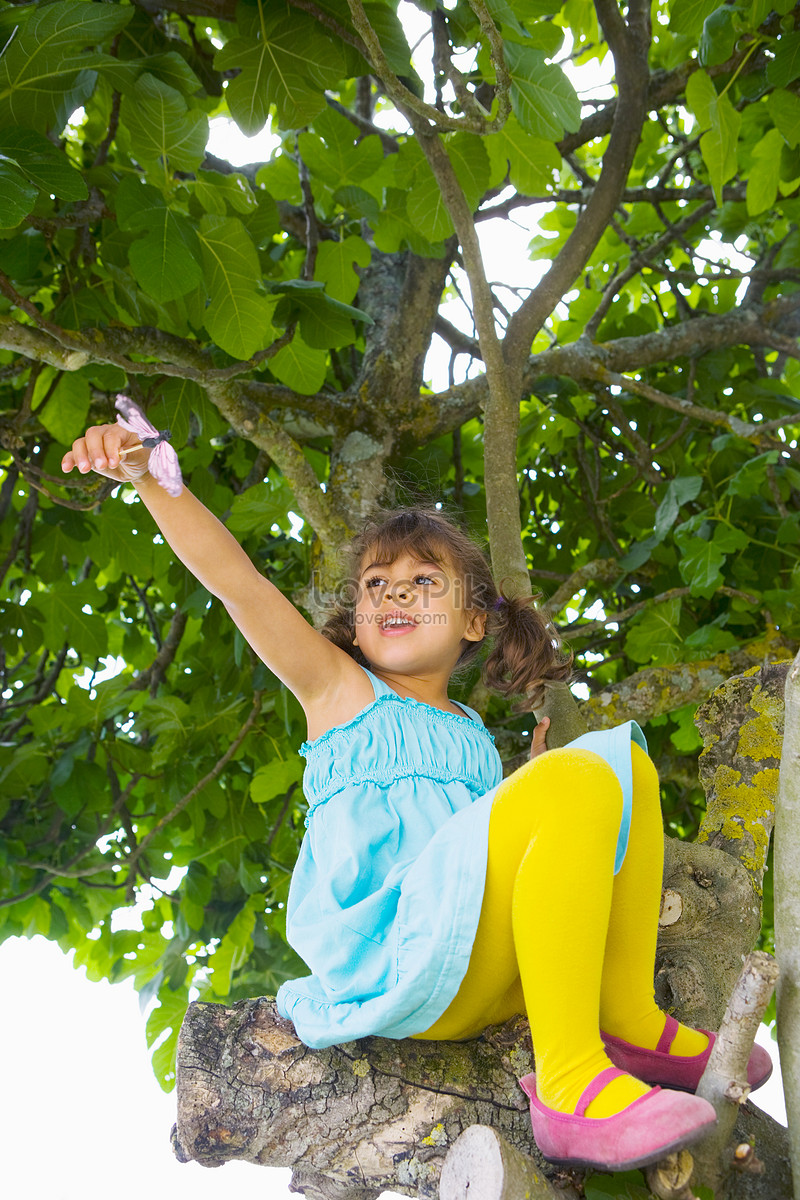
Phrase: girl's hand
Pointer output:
(539, 734)
(100, 450)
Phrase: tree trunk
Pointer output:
(787, 914)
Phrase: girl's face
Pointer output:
(410, 615)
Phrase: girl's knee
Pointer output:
(573, 783)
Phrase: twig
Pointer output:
(724, 1083)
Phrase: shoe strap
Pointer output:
(595, 1088)
(671, 1027)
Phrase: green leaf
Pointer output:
(17, 194)
(784, 108)
(655, 636)
(529, 161)
(65, 621)
(288, 60)
(166, 261)
(335, 266)
(762, 183)
(324, 321)
(275, 779)
(198, 884)
(700, 565)
(300, 367)
(64, 414)
(339, 160)
(785, 66)
(470, 161)
(709, 640)
(42, 163)
(164, 1062)
(259, 507)
(719, 145)
(215, 192)
(688, 16)
(394, 230)
(169, 1015)
(750, 478)
(719, 36)
(685, 738)
(237, 318)
(543, 99)
(234, 948)
(730, 538)
(679, 491)
(161, 126)
(281, 179)
(50, 56)
(427, 210)
(701, 96)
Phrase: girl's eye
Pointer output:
(424, 578)
(374, 581)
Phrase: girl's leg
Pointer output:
(561, 910)
(627, 1005)
(544, 920)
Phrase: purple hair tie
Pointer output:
(499, 602)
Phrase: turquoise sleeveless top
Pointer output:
(386, 894)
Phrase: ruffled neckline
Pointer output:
(430, 714)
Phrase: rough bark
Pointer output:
(787, 914)
(742, 729)
(351, 1120)
(658, 690)
(724, 1083)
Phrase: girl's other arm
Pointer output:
(309, 665)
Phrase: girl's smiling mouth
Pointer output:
(396, 622)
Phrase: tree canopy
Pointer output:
(624, 431)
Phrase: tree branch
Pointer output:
(787, 914)
(724, 1083)
(655, 691)
(629, 45)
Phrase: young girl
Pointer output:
(432, 898)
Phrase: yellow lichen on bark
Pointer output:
(742, 728)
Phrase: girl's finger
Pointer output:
(78, 456)
(539, 743)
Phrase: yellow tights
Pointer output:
(560, 936)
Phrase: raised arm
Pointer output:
(306, 662)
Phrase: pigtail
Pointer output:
(526, 652)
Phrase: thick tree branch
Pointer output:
(583, 360)
(787, 914)
(629, 45)
(742, 729)
(658, 690)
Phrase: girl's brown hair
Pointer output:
(525, 651)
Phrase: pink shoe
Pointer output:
(675, 1071)
(648, 1129)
